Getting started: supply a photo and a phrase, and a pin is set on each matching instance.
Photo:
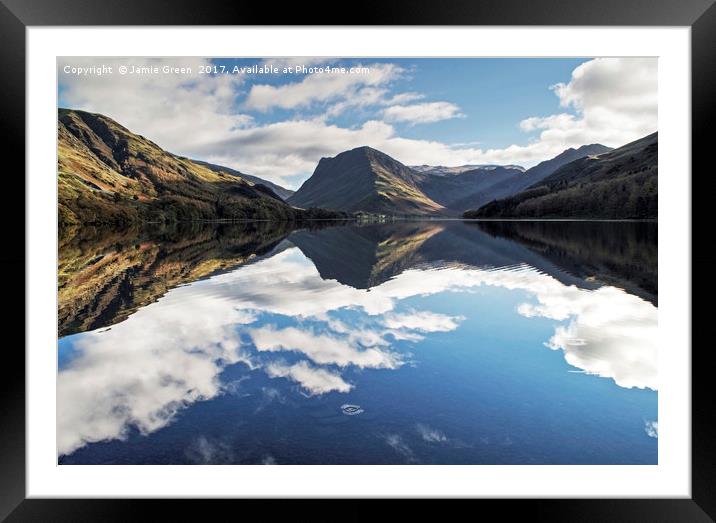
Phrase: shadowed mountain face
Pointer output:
(514, 182)
(458, 192)
(619, 184)
(546, 168)
(367, 180)
(104, 276)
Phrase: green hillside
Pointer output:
(109, 175)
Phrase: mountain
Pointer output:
(619, 184)
(277, 189)
(544, 169)
(364, 179)
(473, 188)
(513, 185)
(368, 180)
(462, 191)
(109, 175)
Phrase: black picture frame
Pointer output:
(17, 15)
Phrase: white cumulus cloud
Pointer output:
(317, 87)
(424, 321)
(422, 113)
(314, 379)
(322, 348)
(615, 99)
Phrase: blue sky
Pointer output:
(439, 111)
(493, 94)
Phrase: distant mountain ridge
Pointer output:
(547, 167)
(461, 191)
(441, 170)
(619, 184)
(515, 184)
(365, 179)
(276, 188)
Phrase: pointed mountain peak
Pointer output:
(363, 151)
(364, 179)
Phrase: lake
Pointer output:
(436, 342)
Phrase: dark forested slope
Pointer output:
(620, 184)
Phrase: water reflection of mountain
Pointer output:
(586, 254)
(366, 256)
(106, 275)
(621, 254)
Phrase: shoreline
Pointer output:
(363, 220)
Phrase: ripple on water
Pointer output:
(351, 410)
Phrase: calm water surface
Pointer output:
(426, 343)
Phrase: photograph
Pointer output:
(321, 260)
